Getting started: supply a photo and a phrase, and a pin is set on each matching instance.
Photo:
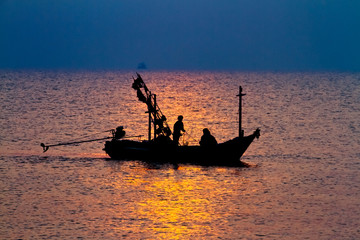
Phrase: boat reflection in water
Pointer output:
(161, 148)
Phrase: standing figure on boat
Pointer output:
(178, 128)
(207, 139)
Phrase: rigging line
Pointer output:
(190, 135)
(185, 140)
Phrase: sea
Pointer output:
(303, 181)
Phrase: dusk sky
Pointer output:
(245, 35)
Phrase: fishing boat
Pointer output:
(159, 147)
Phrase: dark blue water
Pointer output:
(303, 184)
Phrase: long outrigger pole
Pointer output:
(46, 147)
(240, 95)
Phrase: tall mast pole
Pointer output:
(149, 111)
(241, 132)
(154, 118)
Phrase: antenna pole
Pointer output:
(241, 132)
(149, 110)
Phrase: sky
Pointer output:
(244, 35)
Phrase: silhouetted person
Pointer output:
(178, 128)
(207, 139)
(119, 133)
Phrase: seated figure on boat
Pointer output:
(207, 139)
(178, 128)
(119, 133)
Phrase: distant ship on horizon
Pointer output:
(141, 65)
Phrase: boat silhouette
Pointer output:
(160, 148)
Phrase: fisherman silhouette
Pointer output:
(207, 139)
(178, 128)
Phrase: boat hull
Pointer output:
(223, 154)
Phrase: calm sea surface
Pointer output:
(304, 182)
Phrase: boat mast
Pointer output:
(240, 95)
(150, 119)
(156, 117)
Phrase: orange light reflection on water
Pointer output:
(176, 208)
(175, 205)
